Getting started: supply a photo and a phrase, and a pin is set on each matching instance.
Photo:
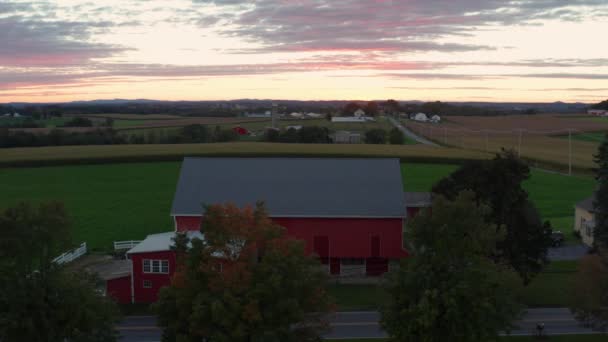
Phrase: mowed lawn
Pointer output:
(112, 202)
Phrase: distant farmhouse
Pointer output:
(352, 222)
(420, 117)
(584, 220)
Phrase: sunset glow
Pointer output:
(449, 50)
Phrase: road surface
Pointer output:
(409, 133)
(364, 324)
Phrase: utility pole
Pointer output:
(519, 144)
(570, 152)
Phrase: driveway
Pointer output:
(572, 252)
(409, 133)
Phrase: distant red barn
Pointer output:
(240, 130)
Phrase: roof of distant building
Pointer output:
(418, 199)
(294, 187)
(587, 203)
(160, 242)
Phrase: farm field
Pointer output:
(542, 139)
(128, 201)
(258, 125)
(595, 137)
(118, 116)
(49, 123)
(61, 155)
(559, 338)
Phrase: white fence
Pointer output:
(118, 245)
(71, 255)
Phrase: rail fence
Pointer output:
(71, 255)
(128, 244)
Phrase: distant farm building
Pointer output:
(296, 115)
(359, 113)
(352, 119)
(314, 115)
(267, 114)
(598, 112)
(584, 220)
(346, 137)
(294, 127)
(435, 119)
(421, 117)
(240, 130)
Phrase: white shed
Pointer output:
(359, 113)
(421, 117)
(435, 119)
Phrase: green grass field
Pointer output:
(50, 123)
(596, 137)
(127, 201)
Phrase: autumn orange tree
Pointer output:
(244, 281)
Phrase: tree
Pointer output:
(371, 108)
(449, 287)
(392, 106)
(350, 109)
(313, 135)
(79, 122)
(39, 300)
(601, 105)
(245, 282)
(195, 133)
(590, 295)
(600, 204)
(375, 136)
(498, 183)
(396, 137)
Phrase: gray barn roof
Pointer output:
(293, 187)
(586, 204)
(418, 199)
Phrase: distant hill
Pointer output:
(601, 105)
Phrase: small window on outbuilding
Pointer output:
(147, 284)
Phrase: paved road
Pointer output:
(558, 321)
(409, 133)
(572, 252)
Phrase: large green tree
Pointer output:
(39, 300)
(498, 183)
(600, 232)
(245, 282)
(449, 288)
(590, 295)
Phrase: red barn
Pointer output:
(350, 212)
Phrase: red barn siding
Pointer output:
(149, 295)
(186, 223)
(119, 289)
(346, 237)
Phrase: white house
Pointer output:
(421, 117)
(359, 113)
(435, 119)
(296, 115)
(598, 112)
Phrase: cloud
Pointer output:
(564, 75)
(37, 40)
(384, 25)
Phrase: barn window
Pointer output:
(156, 266)
(147, 268)
(352, 261)
(147, 284)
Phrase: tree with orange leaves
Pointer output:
(244, 281)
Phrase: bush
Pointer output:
(79, 122)
(396, 137)
(313, 135)
(375, 136)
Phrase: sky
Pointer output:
(445, 50)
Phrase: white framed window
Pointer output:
(147, 284)
(147, 267)
(156, 266)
